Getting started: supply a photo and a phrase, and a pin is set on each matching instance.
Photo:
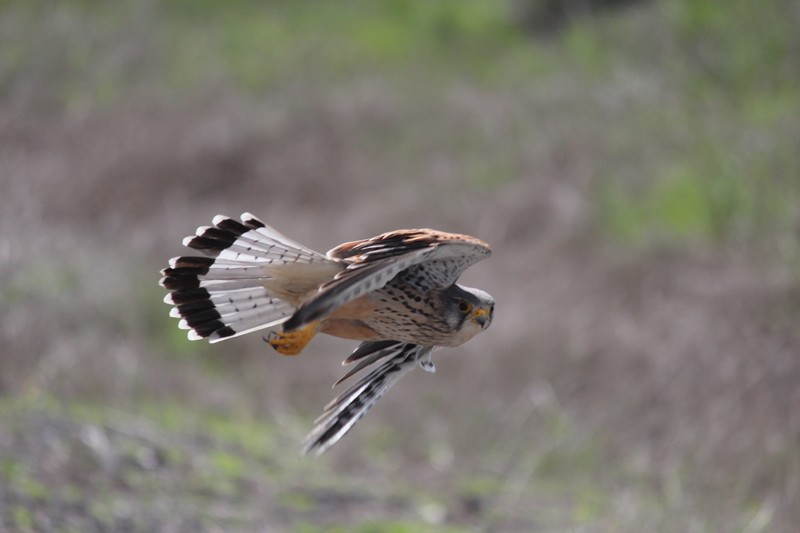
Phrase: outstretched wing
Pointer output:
(427, 258)
(341, 414)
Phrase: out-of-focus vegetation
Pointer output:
(635, 166)
(713, 91)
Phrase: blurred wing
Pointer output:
(341, 414)
(427, 258)
(367, 353)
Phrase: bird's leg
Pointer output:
(426, 363)
(292, 342)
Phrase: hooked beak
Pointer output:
(482, 317)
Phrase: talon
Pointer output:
(292, 342)
(426, 363)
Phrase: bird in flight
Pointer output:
(396, 293)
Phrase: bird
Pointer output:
(395, 292)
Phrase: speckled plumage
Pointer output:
(396, 292)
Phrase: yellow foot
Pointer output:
(292, 342)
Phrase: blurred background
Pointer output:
(634, 165)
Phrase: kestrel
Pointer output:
(397, 293)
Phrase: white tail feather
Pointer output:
(231, 291)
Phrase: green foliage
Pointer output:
(227, 464)
(708, 198)
(725, 124)
(259, 45)
(673, 208)
(41, 282)
(20, 479)
(22, 518)
(744, 46)
(297, 500)
(255, 45)
(724, 116)
(388, 526)
(587, 48)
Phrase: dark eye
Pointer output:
(464, 307)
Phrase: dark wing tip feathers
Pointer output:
(224, 331)
(401, 241)
(251, 221)
(366, 348)
(230, 225)
(182, 278)
(344, 411)
(184, 272)
(186, 296)
(210, 238)
(223, 233)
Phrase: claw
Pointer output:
(426, 364)
(292, 342)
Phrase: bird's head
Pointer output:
(469, 311)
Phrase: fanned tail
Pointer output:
(341, 414)
(232, 291)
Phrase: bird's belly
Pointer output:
(350, 321)
(349, 329)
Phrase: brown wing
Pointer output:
(433, 259)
